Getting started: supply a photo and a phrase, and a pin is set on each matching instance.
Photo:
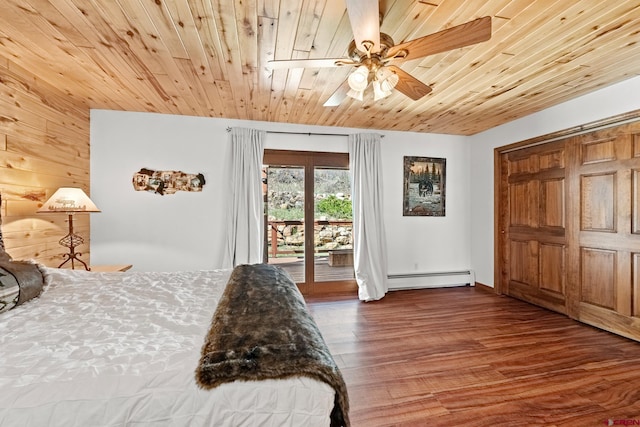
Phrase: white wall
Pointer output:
(427, 244)
(171, 232)
(613, 100)
(185, 230)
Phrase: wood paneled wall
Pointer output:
(44, 144)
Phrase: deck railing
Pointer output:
(275, 229)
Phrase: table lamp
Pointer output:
(71, 201)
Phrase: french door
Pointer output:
(308, 218)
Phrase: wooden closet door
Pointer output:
(605, 259)
(533, 224)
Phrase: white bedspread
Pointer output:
(120, 349)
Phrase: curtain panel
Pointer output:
(245, 232)
(369, 238)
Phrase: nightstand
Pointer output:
(110, 268)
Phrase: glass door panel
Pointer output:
(308, 218)
(284, 211)
(333, 240)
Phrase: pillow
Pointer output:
(20, 281)
(9, 290)
(3, 254)
(1, 241)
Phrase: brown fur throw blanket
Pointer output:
(261, 329)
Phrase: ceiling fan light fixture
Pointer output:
(379, 92)
(356, 94)
(359, 79)
(388, 79)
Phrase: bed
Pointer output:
(128, 349)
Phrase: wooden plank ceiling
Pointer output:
(208, 57)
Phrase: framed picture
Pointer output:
(424, 186)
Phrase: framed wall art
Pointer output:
(424, 186)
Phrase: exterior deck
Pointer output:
(323, 271)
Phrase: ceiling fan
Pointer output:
(376, 57)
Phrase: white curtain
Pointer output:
(245, 228)
(369, 239)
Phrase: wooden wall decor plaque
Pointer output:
(167, 182)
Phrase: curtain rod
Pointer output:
(305, 133)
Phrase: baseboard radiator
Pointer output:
(438, 279)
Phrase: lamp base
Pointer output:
(71, 256)
(70, 241)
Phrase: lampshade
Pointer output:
(388, 79)
(68, 200)
(378, 92)
(384, 80)
(356, 94)
(359, 79)
(389, 82)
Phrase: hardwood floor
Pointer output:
(467, 357)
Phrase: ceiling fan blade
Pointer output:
(364, 16)
(472, 32)
(409, 85)
(308, 63)
(338, 96)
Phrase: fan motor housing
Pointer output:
(357, 55)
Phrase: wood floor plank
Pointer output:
(463, 356)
